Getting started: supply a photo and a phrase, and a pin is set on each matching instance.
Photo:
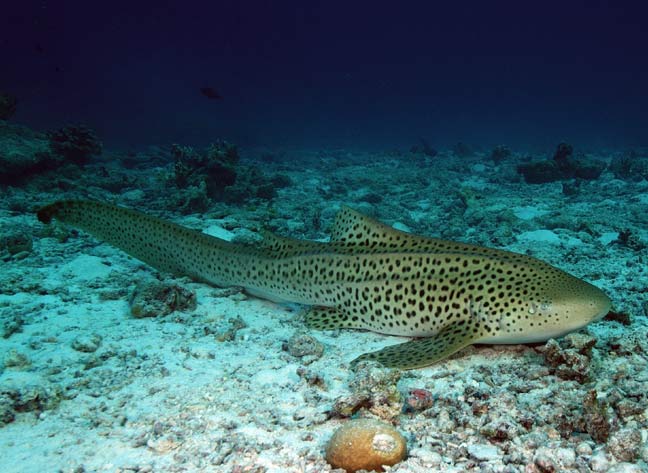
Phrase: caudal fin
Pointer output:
(159, 243)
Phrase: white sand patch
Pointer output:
(82, 268)
(608, 237)
(546, 237)
(528, 212)
(219, 232)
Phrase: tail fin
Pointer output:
(47, 213)
(159, 243)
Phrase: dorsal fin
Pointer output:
(362, 233)
(351, 226)
(355, 229)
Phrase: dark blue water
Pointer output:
(370, 75)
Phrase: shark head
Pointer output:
(576, 302)
(551, 305)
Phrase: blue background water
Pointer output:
(325, 73)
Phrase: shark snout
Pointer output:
(600, 305)
(582, 304)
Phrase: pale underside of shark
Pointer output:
(446, 295)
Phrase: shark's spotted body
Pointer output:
(369, 276)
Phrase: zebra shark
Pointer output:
(445, 295)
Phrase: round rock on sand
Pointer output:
(365, 444)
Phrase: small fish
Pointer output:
(444, 294)
(210, 93)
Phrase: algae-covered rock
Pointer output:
(87, 343)
(11, 322)
(373, 389)
(597, 422)
(419, 399)
(156, 298)
(570, 358)
(304, 345)
(27, 396)
(7, 412)
(16, 359)
(15, 242)
(229, 331)
(625, 444)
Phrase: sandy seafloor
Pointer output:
(86, 387)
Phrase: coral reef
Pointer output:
(215, 168)
(365, 444)
(563, 165)
(216, 174)
(74, 144)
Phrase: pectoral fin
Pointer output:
(424, 351)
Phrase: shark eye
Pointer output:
(539, 308)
